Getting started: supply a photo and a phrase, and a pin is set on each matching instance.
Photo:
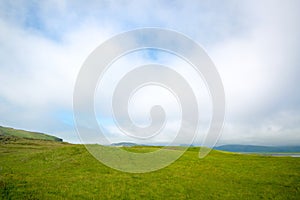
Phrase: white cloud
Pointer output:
(254, 44)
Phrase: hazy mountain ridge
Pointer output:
(125, 144)
(257, 148)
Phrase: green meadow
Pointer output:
(40, 169)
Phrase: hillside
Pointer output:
(5, 131)
(40, 169)
(259, 149)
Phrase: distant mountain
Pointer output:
(124, 144)
(262, 149)
(5, 131)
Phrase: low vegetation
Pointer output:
(41, 169)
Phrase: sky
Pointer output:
(253, 44)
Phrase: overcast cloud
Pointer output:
(254, 45)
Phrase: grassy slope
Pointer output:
(32, 169)
(26, 134)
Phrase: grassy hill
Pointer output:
(41, 169)
(4, 131)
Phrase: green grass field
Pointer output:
(36, 169)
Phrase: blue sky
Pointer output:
(254, 45)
